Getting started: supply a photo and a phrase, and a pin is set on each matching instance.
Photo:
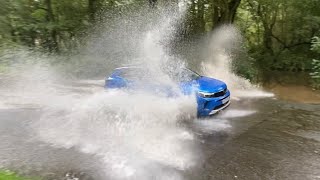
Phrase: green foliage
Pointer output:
(246, 69)
(315, 74)
(277, 33)
(51, 25)
(9, 175)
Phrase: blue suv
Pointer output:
(212, 95)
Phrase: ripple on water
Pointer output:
(315, 135)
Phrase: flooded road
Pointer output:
(53, 124)
(255, 138)
(280, 141)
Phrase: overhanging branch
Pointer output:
(286, 46)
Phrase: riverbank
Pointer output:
(294, 93)
(291, 86)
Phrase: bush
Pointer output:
(9, 175)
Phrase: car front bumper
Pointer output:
(220, 109)
(211, 106)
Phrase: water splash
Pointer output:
(136, 134)
(209, 126)
(129, 131)
(225, 42)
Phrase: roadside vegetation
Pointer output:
(9, 175)
(277, 34)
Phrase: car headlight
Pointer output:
(205, 95)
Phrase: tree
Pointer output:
(224, 11)
(93, 8)
(285, 27)
(152, 3)
(52, 40)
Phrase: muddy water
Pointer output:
(291, 86)
(295, 93)
(280, 141)
(255, 138)
(51, 125)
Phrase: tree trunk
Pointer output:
(200, 23)
(152, 3)
(53, 42)
(224, 12)
(92, 9)
(233, 6)
(267, 39)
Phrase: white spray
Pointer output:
(218, 63)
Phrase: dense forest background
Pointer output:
(279, 35)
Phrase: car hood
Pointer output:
(210, 85)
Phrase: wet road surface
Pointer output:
(282, 142)
(260, 138)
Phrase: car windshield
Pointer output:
(135, 74)
(181, 75)
(186, 75)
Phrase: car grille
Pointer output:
(221, 93)
(217, 94)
